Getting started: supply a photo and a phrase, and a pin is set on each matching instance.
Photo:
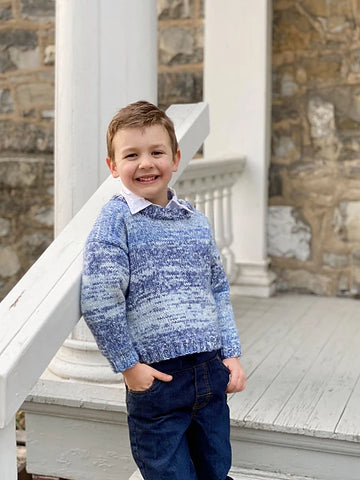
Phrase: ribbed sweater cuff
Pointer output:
(124, 361)
(230, 352)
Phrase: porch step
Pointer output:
(246, 474)
(300, 411)
(296, 456)
(299, 414)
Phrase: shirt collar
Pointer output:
(137, 203)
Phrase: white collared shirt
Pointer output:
(136, 203)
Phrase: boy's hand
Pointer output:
(237, 381)
(140, 377)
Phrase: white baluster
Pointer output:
(191, 199)
(219, 218)
(200, 201)
(228, 235)
(209, 206)
(185, 190)
(228, 254)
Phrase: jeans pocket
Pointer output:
(223, 374)
(148, 390)
(224, 367)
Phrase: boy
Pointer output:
(156, 299)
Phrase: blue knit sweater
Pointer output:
(153, 286)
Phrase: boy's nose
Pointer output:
(145, 162)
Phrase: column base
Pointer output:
(254, 279)
(82, 361)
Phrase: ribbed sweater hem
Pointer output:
(158, 353)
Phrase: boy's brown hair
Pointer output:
(140, 114)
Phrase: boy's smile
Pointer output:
(144, 161)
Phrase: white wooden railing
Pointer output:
(43, 308)
(207, 184)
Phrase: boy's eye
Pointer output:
(130, 155)
(156, 153)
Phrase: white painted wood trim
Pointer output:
(193, 124)
(209, 167)
(8, 463)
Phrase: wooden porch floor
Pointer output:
(302, 358)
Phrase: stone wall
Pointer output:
(26, 134)
(181, 24)
(314, 179)
(314, 213)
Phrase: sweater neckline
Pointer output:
(162, 213)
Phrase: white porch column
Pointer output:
(237, 86)
(106, 57)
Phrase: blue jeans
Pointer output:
(181, 430)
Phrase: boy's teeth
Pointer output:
(146, 179)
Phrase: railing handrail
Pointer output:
(211, 167)
(42, 309)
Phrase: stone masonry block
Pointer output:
(34, 94)
(5, 14)
(346, 221)
(180, 87)
(180, 45)
(288, 86)
(6, 101)
(326, 8)
(9, 262)
(35, 243)
(26, 137)
(4, 227)
(294, 31)
(285, 150)
(175, 9)
(307, 282)
(12, 42)
(287, 236)
(49, 55)
(24, 59)
(355, 268)
(41, 10)
(45, 216)
(321, 117)
(335, 261)
(275, 181)
(24, 39)
(18, 174)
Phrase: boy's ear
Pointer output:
(112, 167)
(176, 161)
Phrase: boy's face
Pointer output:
(144, 161)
